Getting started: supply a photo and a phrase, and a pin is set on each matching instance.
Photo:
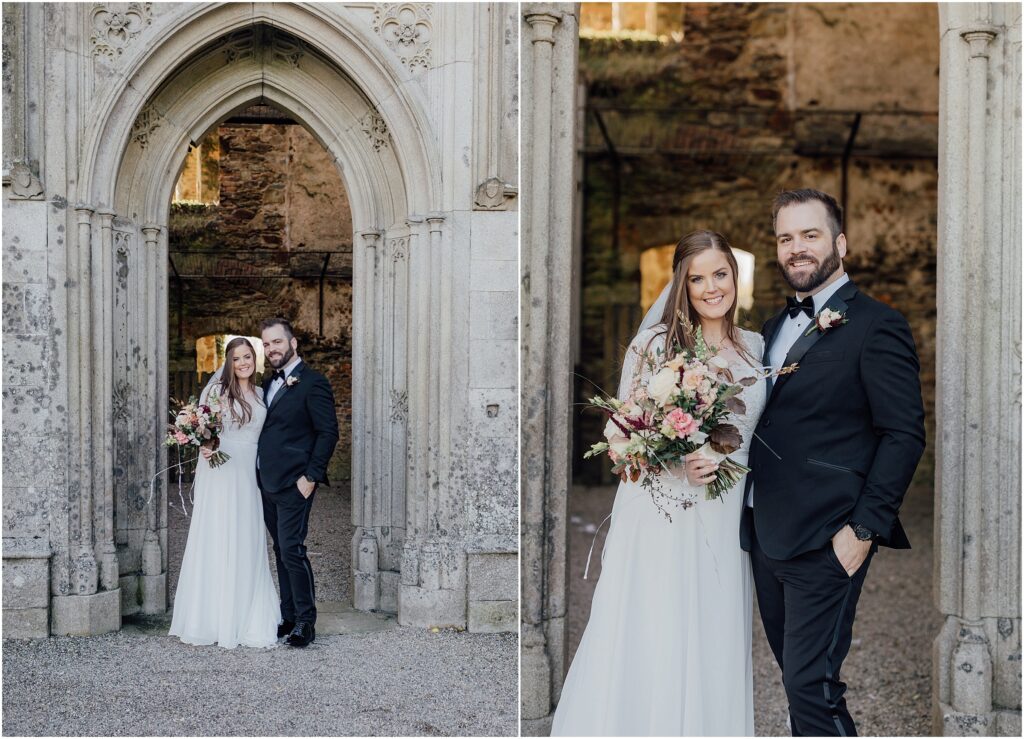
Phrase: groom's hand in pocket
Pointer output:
(850, 551)
(306, 486)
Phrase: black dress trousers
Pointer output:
(286, 514)
(807, 606)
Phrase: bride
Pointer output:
(225, 593)
(667, 650)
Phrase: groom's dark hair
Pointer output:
(806, 195)
(278, 321)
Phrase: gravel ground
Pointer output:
(888, 671)
(399, 682)
(328, 544)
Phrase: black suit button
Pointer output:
(767, 422)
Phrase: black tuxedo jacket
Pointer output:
(300, 432)
(840, 438)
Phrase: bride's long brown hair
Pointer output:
(230, 387)
(678, 307)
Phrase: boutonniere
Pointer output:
(825, 320)
(291, 380)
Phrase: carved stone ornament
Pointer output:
(239, 45)
(24, 184)
(148, 121)
(121, 401)
(493, 194)
(398, 247)
(399, 405)
(375, 128)
(406, 28)
(287, 50)
(115, 25)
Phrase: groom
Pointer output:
(837, 446)
(295, 446)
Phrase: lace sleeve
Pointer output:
(636, 371)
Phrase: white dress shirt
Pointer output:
(279, 382)
(790, 330)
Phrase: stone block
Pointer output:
(493, 364)
(494, 274)
(26, 411)
(389, 583)
(24, 359)
(495, 235)
(26, 623)
(493, 576)
(367, 590)
(154, 593)
(493, 315)
(429, 607)
(493, 413)
(86, 615)
(22, 265)
(26, 511)
(31, 460)
(493, 616)
(37, 309)
(26, 583)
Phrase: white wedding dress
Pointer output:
(667, 650)
(225, 592)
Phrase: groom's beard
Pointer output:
(807, 283)
(285, 359)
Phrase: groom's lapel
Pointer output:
(771, 331)
(284, 388)
(837, 303)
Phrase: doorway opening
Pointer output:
(260, 226)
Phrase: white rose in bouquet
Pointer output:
(662, 387)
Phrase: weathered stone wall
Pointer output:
(699, 126)
(277, 198)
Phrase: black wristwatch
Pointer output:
(863, 533)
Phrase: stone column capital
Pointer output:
(435, 220)
(151, 231)
(84, 212)
(979, 38)
(370, 237)
(106, 217)
(543, 25)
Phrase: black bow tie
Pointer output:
(795, 307)
(278, 375)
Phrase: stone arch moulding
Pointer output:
(342, 83)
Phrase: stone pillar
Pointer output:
(366, 578)
(433, 576)
(90, 609)
(154, 577)
(103, 417)
(548, 151)
(977, 655)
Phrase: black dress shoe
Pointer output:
(285, 628)
(301, 635)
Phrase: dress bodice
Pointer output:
(233, 433)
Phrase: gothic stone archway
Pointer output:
(350, 96)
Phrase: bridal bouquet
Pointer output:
(199, 425)
(683, 407)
